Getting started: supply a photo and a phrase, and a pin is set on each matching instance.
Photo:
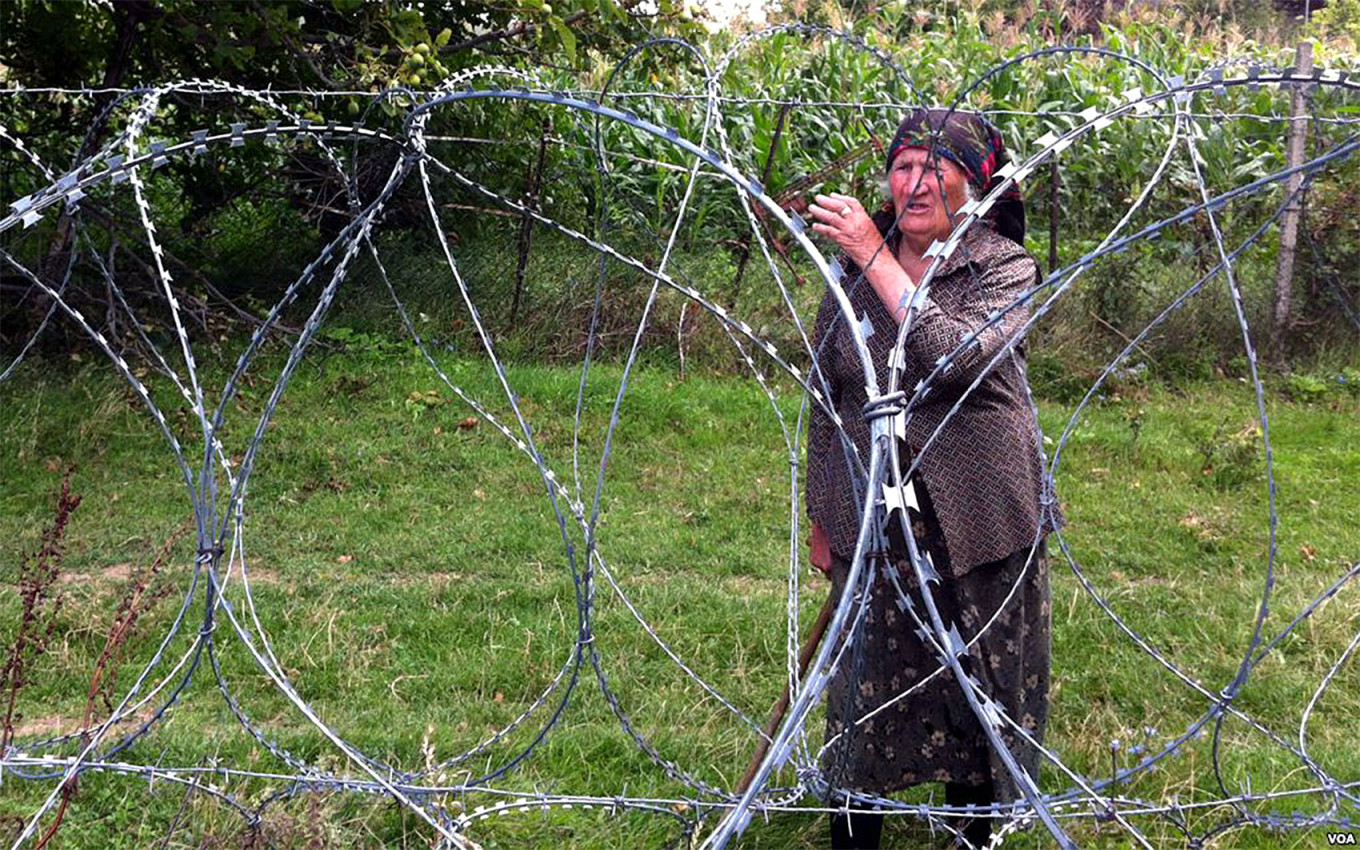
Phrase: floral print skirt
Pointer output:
(881, 741)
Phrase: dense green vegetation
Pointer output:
(411, 579)
(213, 210)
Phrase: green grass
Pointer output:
(412, 580)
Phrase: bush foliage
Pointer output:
(244, 221)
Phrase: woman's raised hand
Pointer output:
(843, 219)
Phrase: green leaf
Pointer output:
(408, 26)
(566, 36)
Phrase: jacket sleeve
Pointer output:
(821, 431)
(937, 332)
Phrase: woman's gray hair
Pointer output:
(969, 195)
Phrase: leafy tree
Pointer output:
(280, 45)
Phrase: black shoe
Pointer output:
(856, 831)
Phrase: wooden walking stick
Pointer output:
(782, 705)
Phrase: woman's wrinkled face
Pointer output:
(926, 190)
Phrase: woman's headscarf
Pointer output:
(974, 144)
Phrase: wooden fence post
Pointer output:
(1289, 226)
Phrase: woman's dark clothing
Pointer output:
(983, 469)
(981, 495)
(982, 507)
(932, 734)
(856, 831)
(978, 831)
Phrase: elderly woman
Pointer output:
(979, 485)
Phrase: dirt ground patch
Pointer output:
(120, 574)
(52, 725)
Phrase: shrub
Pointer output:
(1307, 388)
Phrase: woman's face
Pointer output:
(916, 181)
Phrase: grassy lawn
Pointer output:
(412, 580)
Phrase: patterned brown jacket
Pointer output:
(983, 471)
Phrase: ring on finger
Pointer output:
(845, 210)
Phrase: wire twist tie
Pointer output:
(884, 405)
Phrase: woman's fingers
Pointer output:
(826, 210)
(834, 205)
(848, 200)
(826, 230)
(843, 220)
(848, 203)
